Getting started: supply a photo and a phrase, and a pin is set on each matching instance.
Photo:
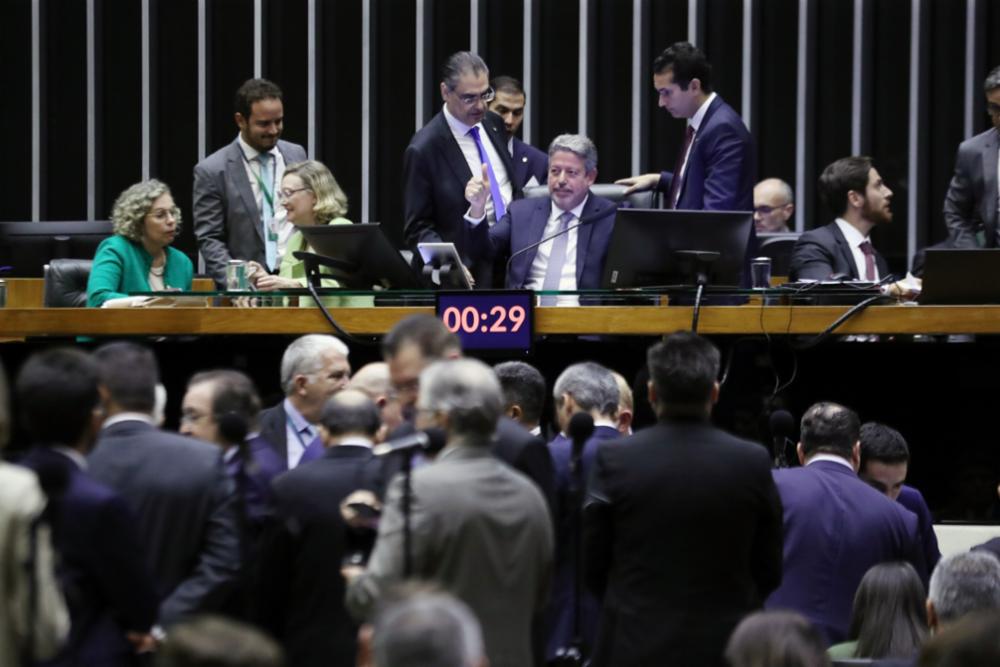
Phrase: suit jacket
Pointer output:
(682, 534)
(824, 252)
(434, 177)
(102, 565)
(481, 530)
(913, 500)
(524, 224)
(301, 587)
(560, 613)
(257, 478)
(178, 489)
(971, 201)
(528, 162)
(21, 505)
(836, 527)
(721, 167)
(226, 218)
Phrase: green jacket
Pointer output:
(296, 268)
(122, 266)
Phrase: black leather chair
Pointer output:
(616, 193)
(65, 283)
(777, 246)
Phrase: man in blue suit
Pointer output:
(530, 164)
(716, 167)
(102, 569)
(576, 224)
(836, 525)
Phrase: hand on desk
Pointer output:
(264, 281)
(907, 289)
(639, 183)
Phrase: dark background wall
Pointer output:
(173, 120)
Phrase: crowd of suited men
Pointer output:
(411, 513)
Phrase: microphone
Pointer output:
(782, 426)
(429, 441)
(534, 245)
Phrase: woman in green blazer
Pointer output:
(137, 258)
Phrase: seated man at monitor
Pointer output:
(558, 242)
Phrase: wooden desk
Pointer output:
(636, 320)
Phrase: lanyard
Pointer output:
(268, 197)
(298, 435)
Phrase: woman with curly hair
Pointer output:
(311, 196)
(137, 257)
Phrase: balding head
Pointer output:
(774, 205)
(372, 379)
(348, 413)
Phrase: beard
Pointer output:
(879, 216)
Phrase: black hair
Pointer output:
(129, 372)
(889, 618)
(507, 84)
(426, 332)
(342, 415)
(841, 177)
(522, 385)
(57, 393)
(254, 90)
(882, 443)
(687, 62)
(829, 428)
(683, 368)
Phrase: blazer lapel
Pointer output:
(536, 227)
(237, 175)
(845, 250)
(989, 208)
(592, 210)
(452, 153)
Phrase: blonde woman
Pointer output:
(138, 256)
(311, 196)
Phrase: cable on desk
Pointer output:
(851, 312)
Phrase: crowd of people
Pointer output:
(415, 511)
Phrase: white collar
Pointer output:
(605, 422)
(128, 417)
(699, 115)
(577, 210)
(355, 441)
(251, 153)
(833, 458)
(76, 457)
(851, 233)
(457, 126)
(536, 431)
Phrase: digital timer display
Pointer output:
(486, 320)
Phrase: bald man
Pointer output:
(773, 205)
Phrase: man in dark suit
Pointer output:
(417, 341)
(523, 393)
(590, 388)
(176, 486)
(461, 143)
(313, 368)
(302, 590)
(530, 164)
(579, 222)
(855, 194)
(682, 523)
(970, 205)
(235, 194)
(715, 170)
(836, 525)
(102, 569)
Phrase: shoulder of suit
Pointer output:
(287, 147)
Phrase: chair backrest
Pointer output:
(66, 283)
(779, 248)
(612, 191)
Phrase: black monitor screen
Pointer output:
(645, 243)
(26, 247)
(367, 258)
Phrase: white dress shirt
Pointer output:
(854, 240)
(298, 434)
(252, 167)
(567, 280)
(470, 152)
(832, 458)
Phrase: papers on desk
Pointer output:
(156, 302)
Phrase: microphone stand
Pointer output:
(701, 262)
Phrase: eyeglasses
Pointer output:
(767, 210)
(288, 194)
(162, 214)
(472, 98)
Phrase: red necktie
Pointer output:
(869, 251)
(675, 184)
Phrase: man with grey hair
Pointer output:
(480, 529)
(961, 584)
(427, 628)
(970, 205)
(313, 368)
(575, 223)
(590, 388)
(462, 145)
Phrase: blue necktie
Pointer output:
(498, 208)
(267, 210)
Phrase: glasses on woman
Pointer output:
(289, 193)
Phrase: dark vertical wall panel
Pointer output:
(393, 89)
(285, 62)
(339, 115)
(668, 24)
(64, 129)
(175, 134)
(557, 88)
(774, 117)
(504, 41)
(119, 99)
(15, 52)
(230, 63)
(724, 47)
(449, 33)
(611, 87)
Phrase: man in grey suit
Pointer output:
(176, 487)
(480, 529)
(970, 206)
(235, 195)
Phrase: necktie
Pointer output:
(498, 208)
(557, 258)
(267, 210)
(869, 251)
(675, 184)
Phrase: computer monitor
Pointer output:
(955, 276)
(366, 257)
(645, 242)
(26, 247)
